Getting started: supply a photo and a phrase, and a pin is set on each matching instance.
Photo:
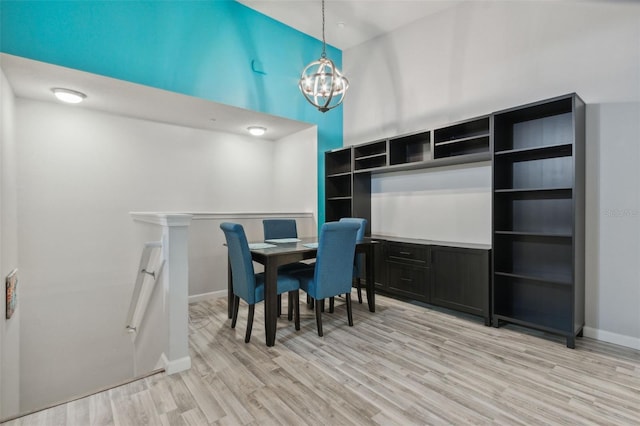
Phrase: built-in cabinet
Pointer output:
(452, 276)
(460, 279)
(537, 269)
(538, 216)
(408, 270)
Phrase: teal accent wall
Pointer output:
(199, 48)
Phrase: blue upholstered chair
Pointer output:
(358, 263)
(279, 228)
(333, 272)
(248, 285)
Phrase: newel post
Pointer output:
(175, 245)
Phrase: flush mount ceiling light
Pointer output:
(257, 130)
(322, 83)
(68, 95)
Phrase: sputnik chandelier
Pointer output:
(322, 83)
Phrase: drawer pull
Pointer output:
(406, 253)
(406, 279)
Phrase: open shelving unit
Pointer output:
(538, 216)
(370, 156)
(348, 194)
(412, 148)
(467, 137)
(338, 184)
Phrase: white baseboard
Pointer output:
(615, 338)
(178, 365)
(162, 362)
(206, 296)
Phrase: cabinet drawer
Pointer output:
(408, 281)
(408, 253)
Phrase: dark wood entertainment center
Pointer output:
(533, 272)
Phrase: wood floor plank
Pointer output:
(100, 409)
(236, 412)
(78, 412)
(402, 365)
(162, 397)
(205, 397)
(194, 417)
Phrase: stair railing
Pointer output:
(151, 263)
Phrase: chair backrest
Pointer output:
(334, 261)
(244, 279)
(360, 221)
(279, 228)
(359, 259)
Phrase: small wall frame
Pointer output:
(11, 292)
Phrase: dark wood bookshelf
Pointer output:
(536, 260)
(538, 216)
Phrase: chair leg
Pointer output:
(310, 302)
(279, 305)
(252, 309)
(296, 307)
(234, 315)
(331, 304)
(349, 313)
(290, 306)
(359, 287)
(319, 303)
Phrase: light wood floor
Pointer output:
(402, 365)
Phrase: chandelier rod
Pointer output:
(324, 43)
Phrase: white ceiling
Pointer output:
(348, 22)
(34, 80)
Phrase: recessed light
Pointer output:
(257, 130)
(68, 95)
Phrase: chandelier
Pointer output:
(322, 83)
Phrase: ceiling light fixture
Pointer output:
(322, 83)
(68, 95)
(257, 130)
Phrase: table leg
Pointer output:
(270, 301)
(229, 289)
(371, 279)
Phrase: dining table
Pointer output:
(273, 254)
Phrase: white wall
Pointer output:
(448, 204)
(292, 188)
(484, 56)
(293, 162)
(480, 57)
(613, 214)
(80, 174)
(10, 329)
